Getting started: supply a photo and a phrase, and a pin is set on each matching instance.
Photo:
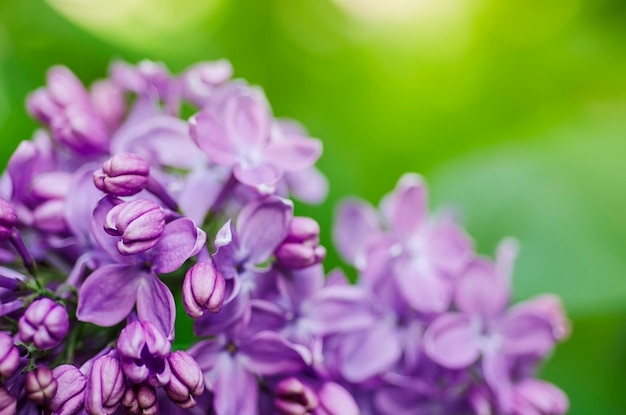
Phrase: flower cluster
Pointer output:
(121, 216)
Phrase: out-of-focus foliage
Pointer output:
(516, 112)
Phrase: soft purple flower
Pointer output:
(147, 77)
(203, 289)
(108, 102)
(301, 248)
(9, 356)
(111, 291)
(81, 129)
(70, 394)
(140, 223)
(187, 381)
(45, 323)
(483, 327)
(536, 397)
(239, 136)
(41, 386)
(8, 219)
(294, 398)
(122, 175)
(105, 386)
(143, 353)
(50, 217)
(200, 81)
(140, 400)
(8, 403)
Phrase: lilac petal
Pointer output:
(309, 186)
(209, 134)
(506, 253)
(407, 206)
(262, 225)
(155, 303)
(227, 245)
(449, 247)
(534, 396)
(355, 221)
(200, 191)
(340, 309)
(207, 353)
(235, 389)
(231, 314)
(10, 306)
(452, 341)
(265, 316)
(81, 202)
(108, 295)
(268, 353)
(294, 153)
(336, 400)
(98, 219)
(371, 352)
(247, 120)
(301, 285)
(480, 290)
(424, 288)
(180, 241)
(496, 373)
(262, 176)
(526, 333)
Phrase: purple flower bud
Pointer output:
(301, 248)
(143, 353)
(40, 385)
(140, 223)
(7, 402)
(108, 102)
(122, 175)
(9, 356)
(81, 129)
(187, 381)
(140, 400)
(294, 398)
(105, 386)
(41, 106)
(8, 219)
(70, 394)
(203, 288)
(65, 88)
(45, 323)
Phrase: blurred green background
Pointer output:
(514, 110)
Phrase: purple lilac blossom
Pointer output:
(118, 210)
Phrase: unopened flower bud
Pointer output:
(140, 400)
(65, 88)
(41, 386)
(105, 386)
(45, 323)
(533, 396)
(70, 394)
(187, 381)
(8, 219)
(203, 288)
(81, 129)
(294, 398)
(9, 356)
(122, 175)
(301, 248)
(143, 353)
(140, 223)
(7, 402)
(108, 102)
(41, 106)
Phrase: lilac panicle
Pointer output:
(122, 175)
(45, 323)
(143, 353)
(70, 394)
(187, 381)
(140, 399)
(41, 386)
(203, 289)
(9, 356)
(140, 224)
(105, 386)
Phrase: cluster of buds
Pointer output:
(118, 210)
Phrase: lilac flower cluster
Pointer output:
(120, 217)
